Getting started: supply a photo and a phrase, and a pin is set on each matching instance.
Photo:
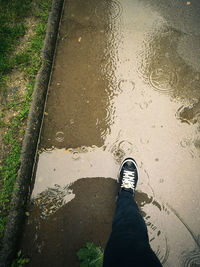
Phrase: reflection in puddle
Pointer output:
(50, 197)
(95, 198)
(50, 200)
(64, 167)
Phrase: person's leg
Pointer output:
(128, 244)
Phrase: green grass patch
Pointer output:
(12, 27)
(12, 15)
(90, 256)
(9, 170)
(20, 261)
(3, 220)
(11, 162)
(29, 60)
(2, 123)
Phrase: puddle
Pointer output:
(55, 234)
(125, 82)
(108, 9)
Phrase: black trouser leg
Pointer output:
(128, 244)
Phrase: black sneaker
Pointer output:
(128, 175)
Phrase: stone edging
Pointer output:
(21, 193)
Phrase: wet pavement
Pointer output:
(125, 82)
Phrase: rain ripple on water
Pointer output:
(109, 9)
(191, 258)
(163, 79)
(161, 236)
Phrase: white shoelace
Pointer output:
(128, 180)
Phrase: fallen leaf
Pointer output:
(40, 179)
(79, 39)
(188, 3)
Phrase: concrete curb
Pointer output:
(21, 193)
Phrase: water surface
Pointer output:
(125, 82)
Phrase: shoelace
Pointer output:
(128, 179)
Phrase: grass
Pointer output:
(90, 256)
(12, 28)
(28, 61)
(20, 261)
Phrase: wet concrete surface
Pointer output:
(125, 82)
